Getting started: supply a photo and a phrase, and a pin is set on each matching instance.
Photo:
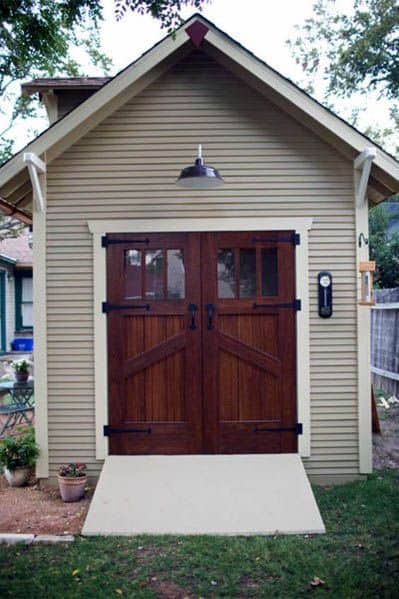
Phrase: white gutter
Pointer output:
(363, 163)
(36, 165)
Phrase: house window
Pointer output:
(2, 310)
(23, 301)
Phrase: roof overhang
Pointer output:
(10, 210)
(7, 259)
(48, 84)
(198, 32)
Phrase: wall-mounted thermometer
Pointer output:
(325, 294)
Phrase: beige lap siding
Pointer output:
(126, 168)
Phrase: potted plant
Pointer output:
(18, 455)
(72, 481)
(21, 369)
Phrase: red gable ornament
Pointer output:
(197, 32)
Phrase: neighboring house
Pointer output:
(214, 341)
(16, 290)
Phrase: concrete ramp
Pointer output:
(203, 494)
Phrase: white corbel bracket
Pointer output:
(363, 164)
(35, 166)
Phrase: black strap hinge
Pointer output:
(106, 241)
(297, 429)
(295, 305)
(106, 307)
(296, 239)
(293, 238)
(109, 430)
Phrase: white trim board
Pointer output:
(363, 345)
(163, 225)
(40, 332)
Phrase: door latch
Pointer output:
(192, 308)
(210, 308)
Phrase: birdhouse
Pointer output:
(366, 269)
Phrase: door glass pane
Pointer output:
(132, 274)
(27, 289)
(176, 274)
(269, 272)
(27, 315)
(154, 264)
(247, 273)
(226, 274)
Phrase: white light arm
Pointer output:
(363, 163)
(35, 166)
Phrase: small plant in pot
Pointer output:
(21, 370)
(72, 481)
(18, 455)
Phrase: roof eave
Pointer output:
(8, 259)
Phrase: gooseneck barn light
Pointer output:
(199, 175)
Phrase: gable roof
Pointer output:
(197, 31)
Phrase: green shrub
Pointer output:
(20, 451)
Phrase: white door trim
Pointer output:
(163, 225)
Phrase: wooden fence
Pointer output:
(385, 341)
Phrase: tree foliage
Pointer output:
(36, 39)
(383, 249)
(165, 11)
(356, 51)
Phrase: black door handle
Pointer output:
(192, 308)
(210, 308)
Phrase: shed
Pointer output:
(180, 321)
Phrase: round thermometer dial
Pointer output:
(325, 281)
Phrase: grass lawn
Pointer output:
(359, 557)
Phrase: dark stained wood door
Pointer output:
(249, 353)
(201, 343)
(154, 344)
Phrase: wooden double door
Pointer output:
(201, 343)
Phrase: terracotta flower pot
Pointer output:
(21, 377)
(17, 477)
(72, 488)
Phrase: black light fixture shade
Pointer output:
(199, 175)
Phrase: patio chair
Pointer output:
(21, 408)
